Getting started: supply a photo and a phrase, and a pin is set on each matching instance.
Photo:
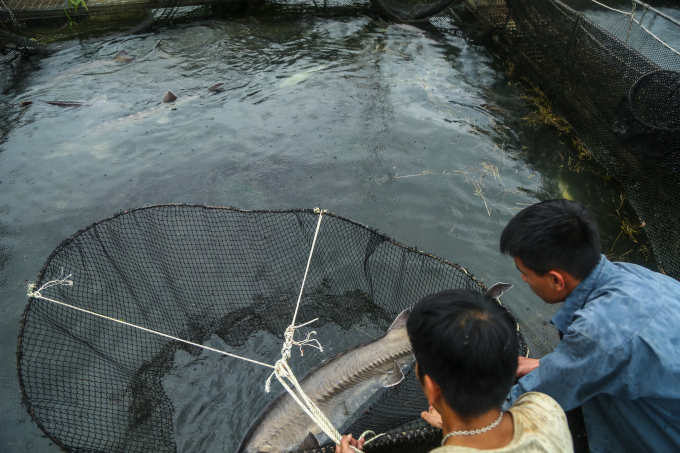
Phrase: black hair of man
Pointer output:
(467, 343)
(554, 234)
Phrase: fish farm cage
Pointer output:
(610, 78)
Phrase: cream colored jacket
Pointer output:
(540, 426)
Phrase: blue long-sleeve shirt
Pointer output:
(619, 359)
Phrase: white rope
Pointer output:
(632, 18)
(609, 7)
(630, 23)
(290, 331)
(309, 260)
(375, 436)
(644, 13)
(64, 281)
(282, 371)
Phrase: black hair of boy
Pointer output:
(467, 343)
(554, 234)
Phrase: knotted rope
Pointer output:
(282, 371)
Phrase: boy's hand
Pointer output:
(525, 365)
(432, 417)
(346, 442)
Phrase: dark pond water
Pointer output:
(419, 136)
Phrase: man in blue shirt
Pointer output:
(619, 354)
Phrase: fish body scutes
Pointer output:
(339, 386)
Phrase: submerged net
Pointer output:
(33, 23)
(411, 11)
(199, 273)
(42, 24)
(12, 46)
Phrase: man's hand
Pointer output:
(346, 441)
(433, 418)
(526, 366)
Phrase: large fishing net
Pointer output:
(205, 275)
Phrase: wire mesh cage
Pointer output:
(647, 120)
(411, 11)
(204, 274)
(585, 67)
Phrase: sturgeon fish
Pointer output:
(57, 103)
(96, 101)
(338, 386)
(416, 31)
(302, 76)
(168, 103)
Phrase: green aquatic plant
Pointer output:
(543, 113)
(73, 4)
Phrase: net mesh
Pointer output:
(647, 120)
(585, 66)
(30, 26)
(196, 272)
(411, 11)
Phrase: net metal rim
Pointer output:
(633, 91)
(248, 211)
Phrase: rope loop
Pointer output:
(282, 371)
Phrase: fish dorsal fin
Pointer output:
(216, 86)
(123, 56)
(169, 96)
(498, 289)
(396, 377)
(400, 321)
(310, 442)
